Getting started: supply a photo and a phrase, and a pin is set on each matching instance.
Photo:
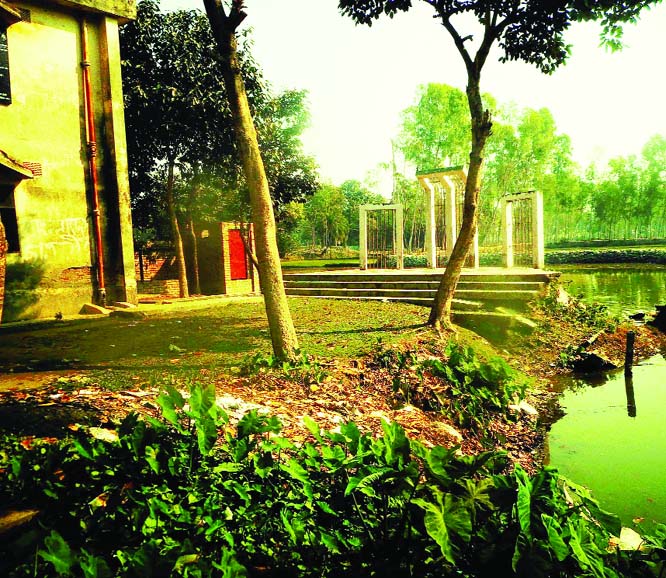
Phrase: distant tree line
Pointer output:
(625, 200)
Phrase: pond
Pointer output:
(622, 288)
(613, 436)
(614, 442)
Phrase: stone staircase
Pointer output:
(479, 290)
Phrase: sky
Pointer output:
(359, 79)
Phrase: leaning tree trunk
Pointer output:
(440, 314)
(175, 235)
(281, 326)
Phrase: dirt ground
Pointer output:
(51, 395)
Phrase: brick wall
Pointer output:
(160, 265)
(168, 287)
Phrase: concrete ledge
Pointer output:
(92, 309)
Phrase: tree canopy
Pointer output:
(176, 109)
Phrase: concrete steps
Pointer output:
(478, 290)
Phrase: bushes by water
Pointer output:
(561, 257)
(654, 256)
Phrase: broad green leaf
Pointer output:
(287, 525)
(184, 560)
(171, 402)
(296, 471)
(58, 553)
(229, 566)
(576, 545)
(324, 507)
(444, 517)
(396, 450)
(524, 501)
(557, 544)
(364, 483)
(202, 401)
(438, 460)
(330, 541)
(352, 434)
(436, 527)
(206, 434)
(84, 448)
(151, 457)
(94, 566)
(227, 467)
(312, 426)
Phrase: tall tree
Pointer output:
(355, 195)
(175, 107)
(435, 130)
(325, 214)
(224, 23)
(527, 30)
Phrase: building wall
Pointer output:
(45, 124)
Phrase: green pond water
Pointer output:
(613, 436)
(622, 288)
(616, 450)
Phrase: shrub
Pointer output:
(657, 256)
(189, 495)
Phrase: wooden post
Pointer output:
(629, 353)
(631, 399)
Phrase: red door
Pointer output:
(237, 256)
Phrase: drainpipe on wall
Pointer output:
(92, 162)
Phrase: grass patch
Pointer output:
(208, 339)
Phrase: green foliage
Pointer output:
(177, 113)
(594, 316)
(657, 256)
(471, 391)
(190, 495)
(305, 369)
(479, 388)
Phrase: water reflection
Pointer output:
(622, 288)
(631, 398)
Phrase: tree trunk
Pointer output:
(175, 234)
(191, 202)
(141, 273)
(281, 326)
(440, 314)
(195, 257)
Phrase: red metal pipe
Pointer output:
(92, 161)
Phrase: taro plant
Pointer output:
(478, 388)
(194, 495)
